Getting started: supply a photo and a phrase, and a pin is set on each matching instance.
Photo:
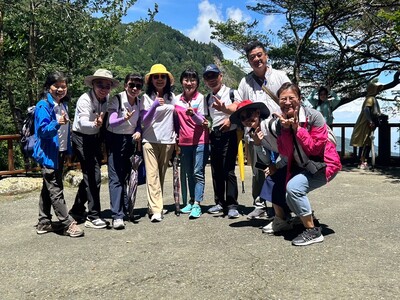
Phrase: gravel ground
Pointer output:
(212, 257)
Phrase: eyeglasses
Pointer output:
(211, 76)
(133, 85)
(288, 98)
(158, 76)
(246, 115)
(103, 87)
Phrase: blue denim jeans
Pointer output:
(299, 186)
(193, 162)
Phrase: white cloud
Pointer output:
(268, 22)
(201, 31)
(237, 14)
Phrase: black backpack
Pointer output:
(28, 137)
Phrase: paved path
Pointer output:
(212, 257)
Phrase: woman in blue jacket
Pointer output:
(53, 143)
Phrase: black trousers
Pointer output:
(89, 152)
(224, 148)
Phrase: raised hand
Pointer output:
(285, 122)
(218, 104)
(128, 114)
(99, 120)
(189, 111)
(161, 100)
(63, 119)
(257, 136)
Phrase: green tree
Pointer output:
(339, 44)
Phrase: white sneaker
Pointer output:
(118, 224)
(157, 217)
(277, 225)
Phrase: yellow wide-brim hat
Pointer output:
(158, 69)
(101, 74)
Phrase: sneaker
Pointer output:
(257, 213)
(44, 228)
(215, 209)
(156, 217)
(258, 202)
(118, 224)
(233, 213)
(74, 230)
(96, 223)
(308, 237)
(195, 212)
(277, 225)
(363, 166)
(187, 209)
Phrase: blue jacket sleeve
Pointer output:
(46, 124)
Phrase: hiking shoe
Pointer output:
(308, 237)
(118, 224)
(96, 223)
(74, 230)
(233, 213)
(156, 217)
(277, 225)
(196, 212)
(79, 218)
(257, 213)
(215, 209)
(44, 228)
(187, 209)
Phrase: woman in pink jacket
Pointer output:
(304, 138)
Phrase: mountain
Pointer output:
(156, 42)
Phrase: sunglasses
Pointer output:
(133, 85)
(211, 76)
(103, 87)
(247, 114)
(158, 76)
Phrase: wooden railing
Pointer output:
(384, 142)
(384, 148)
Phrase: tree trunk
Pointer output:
(31, 61)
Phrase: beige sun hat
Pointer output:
(101, 74)
(158, 69)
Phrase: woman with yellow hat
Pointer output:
(158, 134)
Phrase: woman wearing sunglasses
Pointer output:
(158, 134)
(123, 130)
(86, 142)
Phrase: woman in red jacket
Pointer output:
(304, 138)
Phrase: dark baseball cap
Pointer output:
(211, 69)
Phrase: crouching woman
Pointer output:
(313, 161)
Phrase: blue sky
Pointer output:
(191, 17)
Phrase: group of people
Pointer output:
(291, 143)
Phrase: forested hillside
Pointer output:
(159, 43)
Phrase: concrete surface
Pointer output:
(212, 257)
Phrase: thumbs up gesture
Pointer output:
(99, 120)
(63, 119)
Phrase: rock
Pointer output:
(19, 185)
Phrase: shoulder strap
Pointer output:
(119, 101)
(232, 95)
(208, 103)
(270, 127)
(265, 89)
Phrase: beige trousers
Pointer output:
(156, 157)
